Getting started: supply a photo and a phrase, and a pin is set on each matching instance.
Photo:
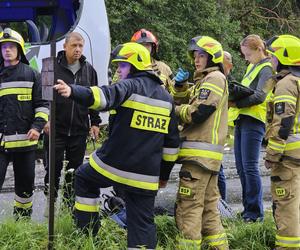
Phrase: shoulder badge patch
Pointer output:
(204, 94)
(279, 108)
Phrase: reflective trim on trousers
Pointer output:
(23, 200)
(289, 242)
(216, 240)
(87, 208)
(24, 203)
(87, 204)
(188, 244)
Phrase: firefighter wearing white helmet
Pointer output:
(22, 118)
(204, 120)
(140, 151)
(283, 134)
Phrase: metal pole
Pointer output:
(52, 159)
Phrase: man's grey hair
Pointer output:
(75, 35)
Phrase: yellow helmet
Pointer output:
(286, 48)
(209, 45)
(10, 35)
(133, 53)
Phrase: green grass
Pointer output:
(92, 146)
(31, 235)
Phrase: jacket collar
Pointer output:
(150, 73)
(61, 58)
(9, 68)
(199, 74)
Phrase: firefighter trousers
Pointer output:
(197, 215)
(23, 166)
(141, 230)
(285, 189)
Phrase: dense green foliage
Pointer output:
(176, 22)
(30, 235)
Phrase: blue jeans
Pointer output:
(248, 136)
(222, 183)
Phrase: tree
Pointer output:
(176, 22)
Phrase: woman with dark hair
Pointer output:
(203, 117)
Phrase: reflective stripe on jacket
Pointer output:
(143, 139)
(21, 107)
(202, 143)
(283, 129)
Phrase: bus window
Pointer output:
(40, 21)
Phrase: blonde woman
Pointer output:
(250, 126)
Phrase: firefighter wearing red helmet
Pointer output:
(148, 40)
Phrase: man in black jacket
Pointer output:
(73, 121)
(23, 115)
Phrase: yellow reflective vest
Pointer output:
(256, 111)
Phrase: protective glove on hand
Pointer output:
(181, 76)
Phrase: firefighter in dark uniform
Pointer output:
(23, 115)
(139, 153)
(283, 134)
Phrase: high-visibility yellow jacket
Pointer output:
(204, 119)
(21, 107)
(254, 105)
(283, 129)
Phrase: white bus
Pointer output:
(42, 21)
